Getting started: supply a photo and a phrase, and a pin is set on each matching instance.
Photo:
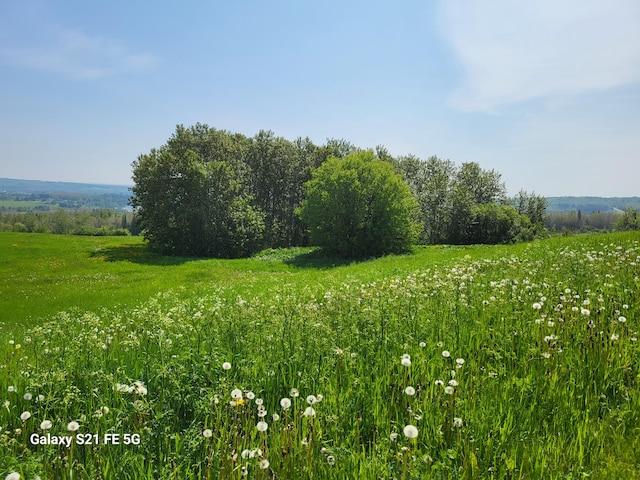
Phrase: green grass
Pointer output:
(547, 385)
(42, 274)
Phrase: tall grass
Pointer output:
(516, 362)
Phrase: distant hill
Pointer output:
(37, 195)
(591, 204)
(9, 185)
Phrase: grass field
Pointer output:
(453, 362)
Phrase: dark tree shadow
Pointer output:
(320, 260)
(137, 253)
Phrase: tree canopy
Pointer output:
(358, 206)
(209, 192)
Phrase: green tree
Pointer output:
(431, 182)
(493, 223)
(630, 220)
(189, 201)
(358, 207)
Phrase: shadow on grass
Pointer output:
(319, 260)
(137, 253)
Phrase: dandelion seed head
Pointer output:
(311, 399)
(457, 422)
(622, 319)
(537, 306)
(24, 416)
(250, 396)
(309, 412)
(393, 436)
(264, 463)
(236, 394)
(446, 354)
(448, 390)
(410, 431)
(207, 433)
(294, 393)
(453, 383)
(73, 426)
(423, 344)
(27, 396)
(226, 366)
(410, 390)
(46, 425)
(285, 403)
(12, 476)
(406, 362)
(262, 426)
(331, 460)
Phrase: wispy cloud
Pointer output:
(74, 54)
(515, 51)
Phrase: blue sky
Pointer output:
(545, 92)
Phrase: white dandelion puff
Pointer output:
(410, 391)
(236, 394)
(410, 431)
(262, 426)
(285, 403)
(46, 425)
(226, 366)
(24, 416)
(207, 433)
(73, 426)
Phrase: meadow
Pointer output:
(497, 362)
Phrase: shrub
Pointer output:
(358, 207)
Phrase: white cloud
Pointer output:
(74, 54)
(513, 51)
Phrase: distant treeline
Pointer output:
(78, 222)
(588, 205)
(577, 221)
(50, 201)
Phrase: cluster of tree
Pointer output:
(577, 221)
(209, 192)
(466, 204)
(80, 222)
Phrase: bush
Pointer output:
(358, 207)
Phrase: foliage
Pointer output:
(358, 207)
(190, 202)
(493, 223)
(78, 222)
(516, 361)
(451, 201)
(630, 220)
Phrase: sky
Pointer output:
(545, 92)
